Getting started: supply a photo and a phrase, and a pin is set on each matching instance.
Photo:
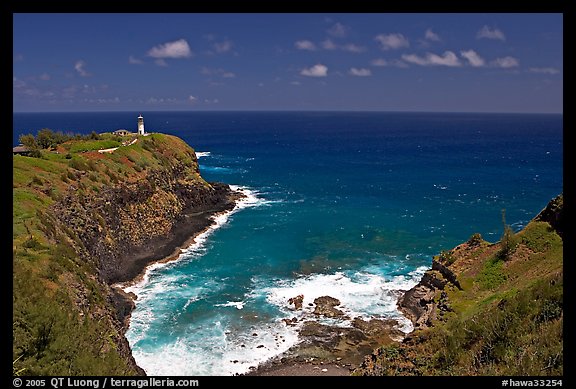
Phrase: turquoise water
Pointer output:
(351, 205)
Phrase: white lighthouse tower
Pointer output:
(140, 125)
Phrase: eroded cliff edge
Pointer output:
(84, 221)
(486, 308)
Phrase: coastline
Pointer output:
(331, 350)
(183, 235)
(321, 350)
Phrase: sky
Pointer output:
(426, 62)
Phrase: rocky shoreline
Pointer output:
(183, 234)
(334, 349)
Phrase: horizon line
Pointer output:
(301, 110)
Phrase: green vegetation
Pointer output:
(90, 145)
(475, 240)
(446, 257)
(492, 274)
(507, 320)
(508, 241)
(63, 320)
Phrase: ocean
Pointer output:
(353, 205)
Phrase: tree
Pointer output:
(45, 138)
(508, 241)
(29, 141)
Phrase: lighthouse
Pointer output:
(140, 125)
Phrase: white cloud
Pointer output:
(161, 62)
(381, 62)
(486, 32)
(79, 67)
(17, 83)
(295, 83)
(392, 41)
(544, 70)
(329, 45)
(473, 58)
(135, 61)
(431, 35)
(305, 45)
(431, 59)
(192, 99)
(217, 72)
(362, 72)
(318, 70)
(338, 30)
(161, 100)
(413, 58)
(352, 48)
(44, 77)
(505, 62)
(223, 47)
(176, 49)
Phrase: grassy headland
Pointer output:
(83, 220)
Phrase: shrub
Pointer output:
(78, 164)
(45, 138)
(37, 180)
(508, 242)
(446, 257)
(475, 240)
(92, 165)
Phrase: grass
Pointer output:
(91, 145)
(492, 274)
(507, 319)
(52, 333)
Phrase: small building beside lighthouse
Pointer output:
(141, 125)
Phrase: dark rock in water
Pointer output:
(290, 322)
(297, 301)
(325, 307)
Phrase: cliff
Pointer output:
(486, 309)
(84, 220)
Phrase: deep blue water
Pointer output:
(353, 205)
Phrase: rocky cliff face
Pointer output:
(131, 224)
(100, 220)
(553, 214)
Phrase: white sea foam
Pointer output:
(237, 304)
(362, 293)
(222, 352)
(201, 154)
